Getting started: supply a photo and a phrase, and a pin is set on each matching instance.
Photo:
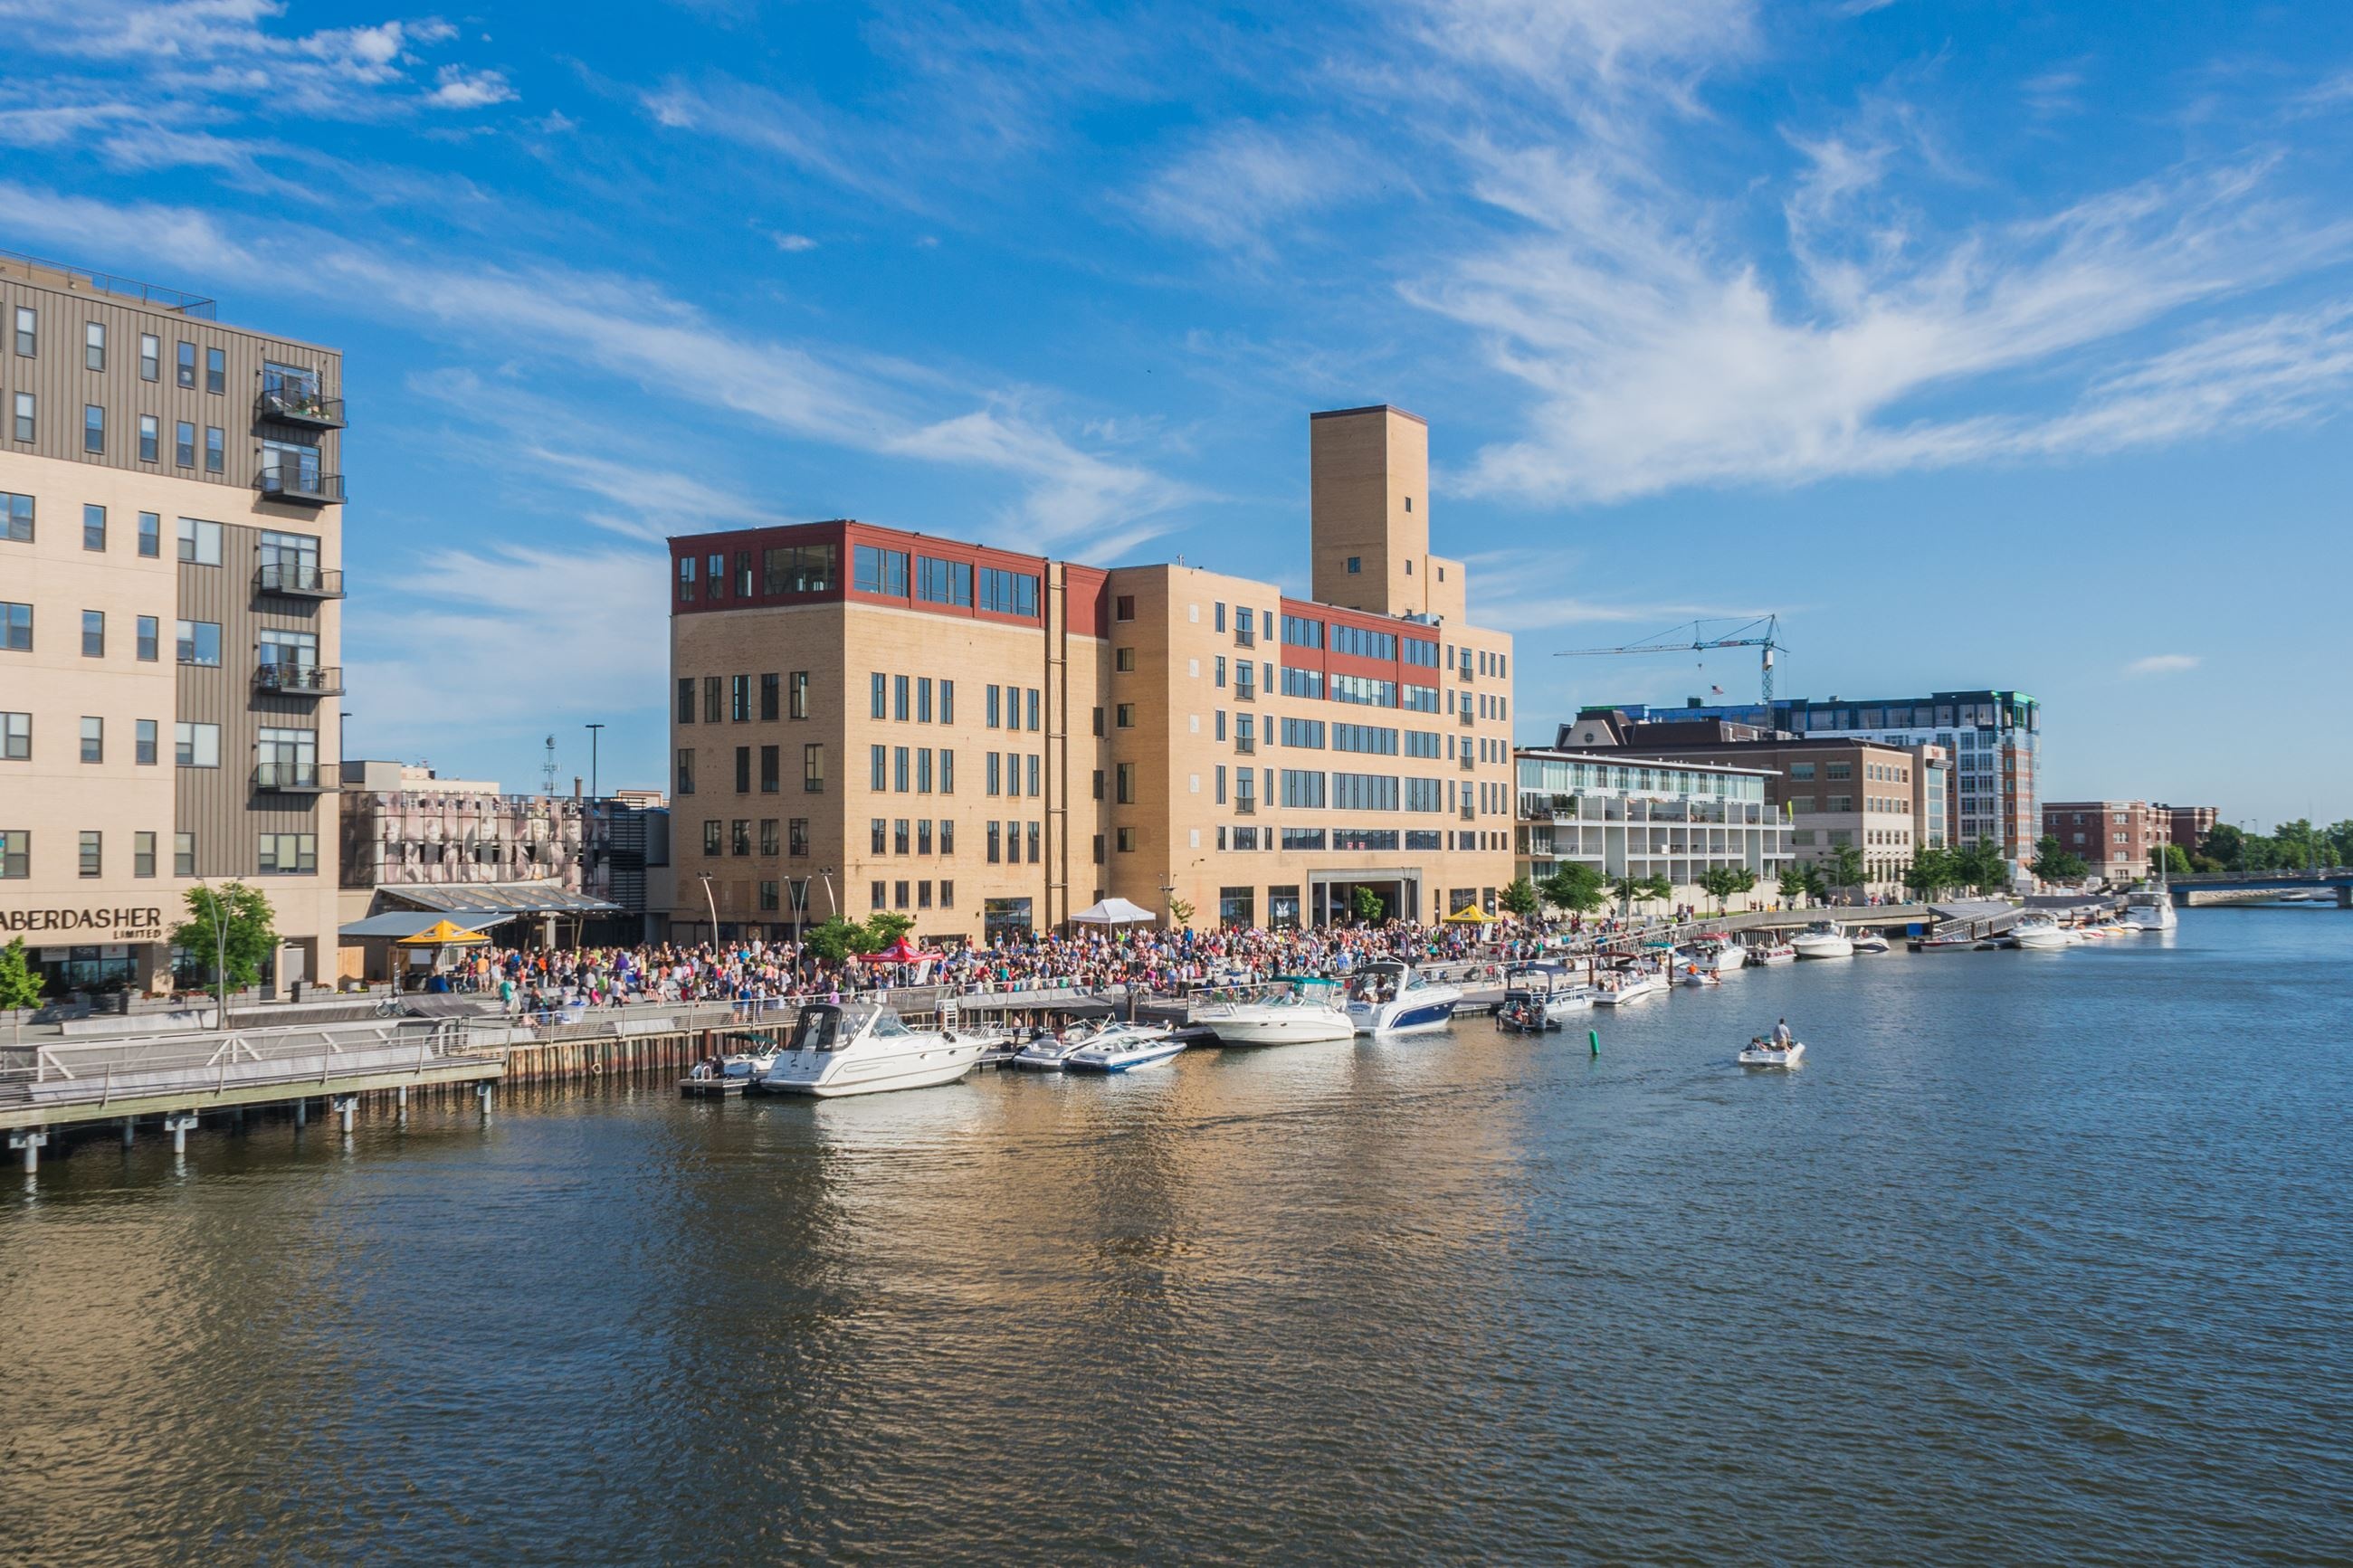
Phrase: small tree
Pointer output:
(1657, 889)
(1719, 883)
(1979, 866)
(1180, 912)
(1625, 889)
(837, 939)
(2173, 860)
(1844, 868)
(2053, 863)
(1521, 899)
(883, 928)
(234, 922)
(1367, 904)
(1930, 873)
(1573, 887)
(19, 986)
(1794, 882)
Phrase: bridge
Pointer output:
(2240, 886)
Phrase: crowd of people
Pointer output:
(542, 981)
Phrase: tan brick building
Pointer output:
(989, 741)
(171, 568)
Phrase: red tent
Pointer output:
(900, 951)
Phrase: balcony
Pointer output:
(1245, 693)
(300, 487)
(1470, 813)
(1245, 637)
(1467, 764)
(1466, 717)
(289, 778)
(297, 679)
(294, 404)
(296, 580)
(1245, 746)
(1245, 806)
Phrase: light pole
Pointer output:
(832, 910)
(593, 736)
(342, 752)
(220, 958)
(711, 904)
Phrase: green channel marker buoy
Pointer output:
(1593, 1039)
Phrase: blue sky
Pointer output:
(1992, 344)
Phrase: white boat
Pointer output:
(1764, 1053)
(1540, 996)
(1870, 941)
(1308, 1011)
(1390, 997)
(1121, 1048)
(748, 1064)
(1823, 938)
(863, 1047)
(2150, 909)
(1623, 986)
(1724, 955)
(2041, 933)
(1968, 944)
(1693, 974)
(1772, 952)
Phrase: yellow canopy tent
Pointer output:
(446, 933)
(1469, 916)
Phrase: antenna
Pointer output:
(547, 769)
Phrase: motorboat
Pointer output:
(1121, 1048)
(1968, 941)
(1540, 996)
(1823, 938)
(1763, 1052)
(2150, 909)
(2041, 933)
(1870, 941)
(1391, 997)
(1722, 956)
(864, 1047)
(1772, 952)
(750, 1064)
(1621, 986)
(1693, 974)
(1310, 1010)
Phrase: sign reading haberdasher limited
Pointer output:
(83, 926)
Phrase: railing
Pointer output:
(1244, 636)
(289, 778)
(1466, 717)
(1245, 805)
(295, 484)
(1246, 745)
(1245, 693)
(1467, 764)
(100, 1072)
(299, 679)
(1470, 813)
(294, 404)
(28, 266)
(298, 579)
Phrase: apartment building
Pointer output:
(1640, 817)
(2118, 839)
(2189, 825)
(990, 741)
(171, 568)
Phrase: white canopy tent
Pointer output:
(1114, 912)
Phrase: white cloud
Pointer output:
(793, 243)
(461, 89)
(2163, 664)
(1246, 180)
(1550, 40)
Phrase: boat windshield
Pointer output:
(1377, 983)
(817, 1029)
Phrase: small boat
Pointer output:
(1772, 952)
(1693, 974)
(1870, 941)
(1121, 1047)
(1823, 938)
(1764, 1053)
(1310, 1011)
(1539, 996)
(1624, 986)
(750, 1064)
(1968, 943)
(2041, 933)
(2150, 909)
(864, 1047)
(1390, 997)
(1722, 956)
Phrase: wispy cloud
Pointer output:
(2163, 664)
(1245, 181)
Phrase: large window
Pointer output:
(1373, 738)
(1364, 792)
(942, 582)
(801, 569)
(16, 518)
(878, 571)
(1301, 789)
(1302, 682)
(286, 758)
(1362, 643)
(199, 642)
(1364, 690)
(1417, 651)
(1009, 593)
(290, 854)
(200, 542)
(1298, 631)
(195, 745)
(15, 854)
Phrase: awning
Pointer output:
(465, 900)
(1467, 916)
(1114, 912)
(403, 923)
(445, 934)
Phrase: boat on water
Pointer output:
(2041, 935)
(864, 1047)
(1121, 1047)
(1309, 1011)
(1621, 986)
(1722, 956)
(1772, 952)
(1390, 997)
(1540, 996)
(751, 1063)
(1870, 941)
(2149, 908)
(1823, 938)
(1765, 1053)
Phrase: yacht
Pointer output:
(1310, 1011)
(2150, 909)
(751, 1063)
(1772, 953)
(1050, 1052)
(1120, 1048)
(2041, 933)
(1624, 986)
(1823, 938)
(1764, 1053)
(1540, 996)
(863, 1047)
(1390, 997)
(1870, 941)
(1722, 956)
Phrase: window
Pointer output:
(195, 745)
(1124, 660)
(714, 574)
(713, 698)
(28, 331)
(771, 770)
(1125, 716)
(16, 853)
(93, 635)
(711, 832)
(200, 542)
(184, 444)
(93, 739)
(686, 700)
(878, 830)
(93, 527)
(26, 410)
(1033, 844)
(1126, 840)
(947, 702)
(767, 894)
(184, 853)
(16, 518)
(1217, 673)
(800, 694)
(216, 450)
(1033, 707)
(290, 854)
(739, 698)
(771, 690)
(876, 894)
(899, 697)
(1304, 789)
(922, 770)
(1126, 775)
(947, 836)
(142, 854)
(742, 574)
(899, 769)
(924, 836)
(898, 836)
(199, 642)
(143, 742)
(151, 440)
(878, 768)
(922, 700)
(994, 842)
(215, 370)
(947, 893)
(796, 836)
(1355, 564)
(151, 356)
(1123, 609)
(1298, 631)
(993, 784)
(942, 582)
(686, 770)
(15, 737)
(1033, 775)
(739, 836)
(16, 627)
(94, 427)
(93, 854)
(988, 707)
(686, 579)
(800, 569)
(878, 571)
(287, 758)
(813, 769)
(1009, 593)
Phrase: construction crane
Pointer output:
(1763, 633)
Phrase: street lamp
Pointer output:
(832, 910)
(220, 958)
(709, 903)
(593, 736)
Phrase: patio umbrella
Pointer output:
(1468, 916)
(900, 951)
(1114, 912)
(445, 934)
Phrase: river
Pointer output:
(2039, 1257)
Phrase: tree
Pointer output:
(1794, 883)
(1724, 882)
(837, 939)
(1521, 899)
(1844, 868)
(2173, 860)
(1180, 912)
(2053, 863)
(234, 921)
(19, 986)
(1367, 904)
(2225, 846)
(883, 928)
(1978, 866)
(1575, 887)
(1930, 873)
